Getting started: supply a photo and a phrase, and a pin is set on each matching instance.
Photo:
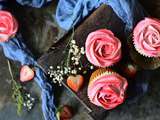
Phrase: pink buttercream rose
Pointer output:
(103, 49)
(146, 37)
(107, 90)
(8, 26)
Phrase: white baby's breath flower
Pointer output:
(80, 68)
(91, 67)
(51, 67)
(77, 63)
(73, 41)
(58, 67)
(74, 71)
(76, 51)
(82, 51)
(71, 50)
(72, 58)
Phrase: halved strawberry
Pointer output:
(66, 113)
(75, 82)
(26, 73)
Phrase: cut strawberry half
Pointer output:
(75, 82)
(26, 74)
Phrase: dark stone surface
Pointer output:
(152, 7)
(97, 20)
(36, 22)
(38, 26)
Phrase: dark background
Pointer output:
(40, 23)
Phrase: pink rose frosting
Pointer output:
(107, 90)
(103, 49)
(146, 37)
(8, 26)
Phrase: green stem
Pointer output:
(17, 95)
(10, 71)
(68, 59)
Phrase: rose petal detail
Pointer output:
(8, 26)
(103, 49)
(146, 37)
(107, 89)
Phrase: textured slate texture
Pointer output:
(97, 20)
(147, 108)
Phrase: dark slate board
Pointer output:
(95, 21)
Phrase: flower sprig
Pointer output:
(72, 63)
(19, 95)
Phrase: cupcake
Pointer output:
(106, 88)
(103, 49)
(145, 43)
(146, 37)
(8, 26)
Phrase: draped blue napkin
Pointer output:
(71, 12)
(34, 3)
(16, 50)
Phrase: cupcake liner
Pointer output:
(141, 51)
(97, 74)
(118, 88)
(143, 61)
(100, 72)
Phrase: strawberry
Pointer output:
(130, 70)
(66, 113)
(26, 73)
(75, 82)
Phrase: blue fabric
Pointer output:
(70, 12)
(34, 3)
(16, 50)
(2, 4)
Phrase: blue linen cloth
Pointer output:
(71, 12)
(16, 50)
(34, 3)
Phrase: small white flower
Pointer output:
(74, 71)
(77, 63)
(51, 67)
(74, 47)
(24, 104)
(32, 99)
(28, 102)
(76, 51)
(61, 72)
(58, 67)
(50, 75)
(28, 95)
(73, 41)
(82, 51)
(54, 81)
(72, 58)
(76, 59)
(65, 70)
(91, 67)
(71, 50)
